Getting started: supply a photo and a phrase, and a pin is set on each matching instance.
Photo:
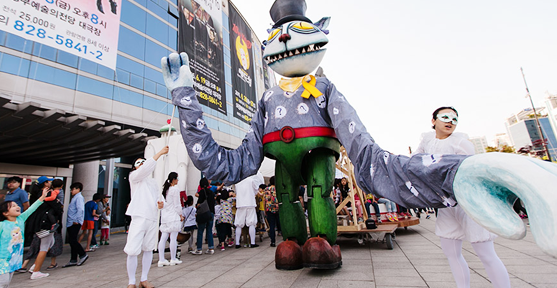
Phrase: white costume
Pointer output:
(453, 225)
(245, 200)
(452, 222)
(245, 205)
(143, 209)
(170, 213)
(142, 235)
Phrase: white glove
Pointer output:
(176, 71)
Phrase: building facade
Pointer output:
(131, 102)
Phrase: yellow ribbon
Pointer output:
(310, 88)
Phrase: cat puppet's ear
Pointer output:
(323, 24)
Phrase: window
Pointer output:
(67, 59)
(149, 86)
(44, 51)
(154, 53)
(136, 81)
(87, 66)
(129, 65)
(122, 76)
(18, 43)
(51, 75)
(14, 65)
(156, 29)
(131, 43)
(154, 104)
(133, 15)
(91, 86)
(128, 97)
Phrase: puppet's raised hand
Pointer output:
(176, 71)
(487, 185)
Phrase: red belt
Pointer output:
(287, 134)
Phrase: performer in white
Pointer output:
(171, 220)
(245, 206)
(142, 235)
(453, 225)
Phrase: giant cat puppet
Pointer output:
(303, 121)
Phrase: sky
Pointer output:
(396, 61)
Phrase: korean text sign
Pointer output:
(85, 28)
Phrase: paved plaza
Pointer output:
(416, 261)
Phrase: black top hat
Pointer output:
(284, 11)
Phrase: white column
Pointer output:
(88, 174)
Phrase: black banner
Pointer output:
(200, 36)
(242, 62)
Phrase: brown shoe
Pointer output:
(288, 256)
(145, 284)
(319, 254)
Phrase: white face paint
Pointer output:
(386, 157)
(335, 111)
(267, 95)
(280, 112)
(186, 101)
(321, 102)
(197, 148)
(303, 108)
(200, 124)
(431, 159)
(351, 127)
(184, 124)
(412, 189)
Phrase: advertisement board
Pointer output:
(88, 29)
(243, 63)
(200, 36)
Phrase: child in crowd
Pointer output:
(260, 199)
(224, 219)
(12, 228)
(105, 228)
(371, 201)
(189, 220)
(391, 209)
(89, 221)
(171, 220)
(336, 191)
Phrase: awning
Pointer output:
(33, 135)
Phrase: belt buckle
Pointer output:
(287, 139)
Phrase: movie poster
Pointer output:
(200, 36)
(243, 63)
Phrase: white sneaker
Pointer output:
(210, 251)
(163, 263)
(175, 262)
(38, 275)
(31, 269)
(197, 252)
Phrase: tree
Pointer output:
(491, 149)
(507, 149)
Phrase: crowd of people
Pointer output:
(34, 220)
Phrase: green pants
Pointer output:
(309, 161)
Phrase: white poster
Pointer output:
(86, 28)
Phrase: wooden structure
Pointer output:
(345, 166)
(349, 224)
